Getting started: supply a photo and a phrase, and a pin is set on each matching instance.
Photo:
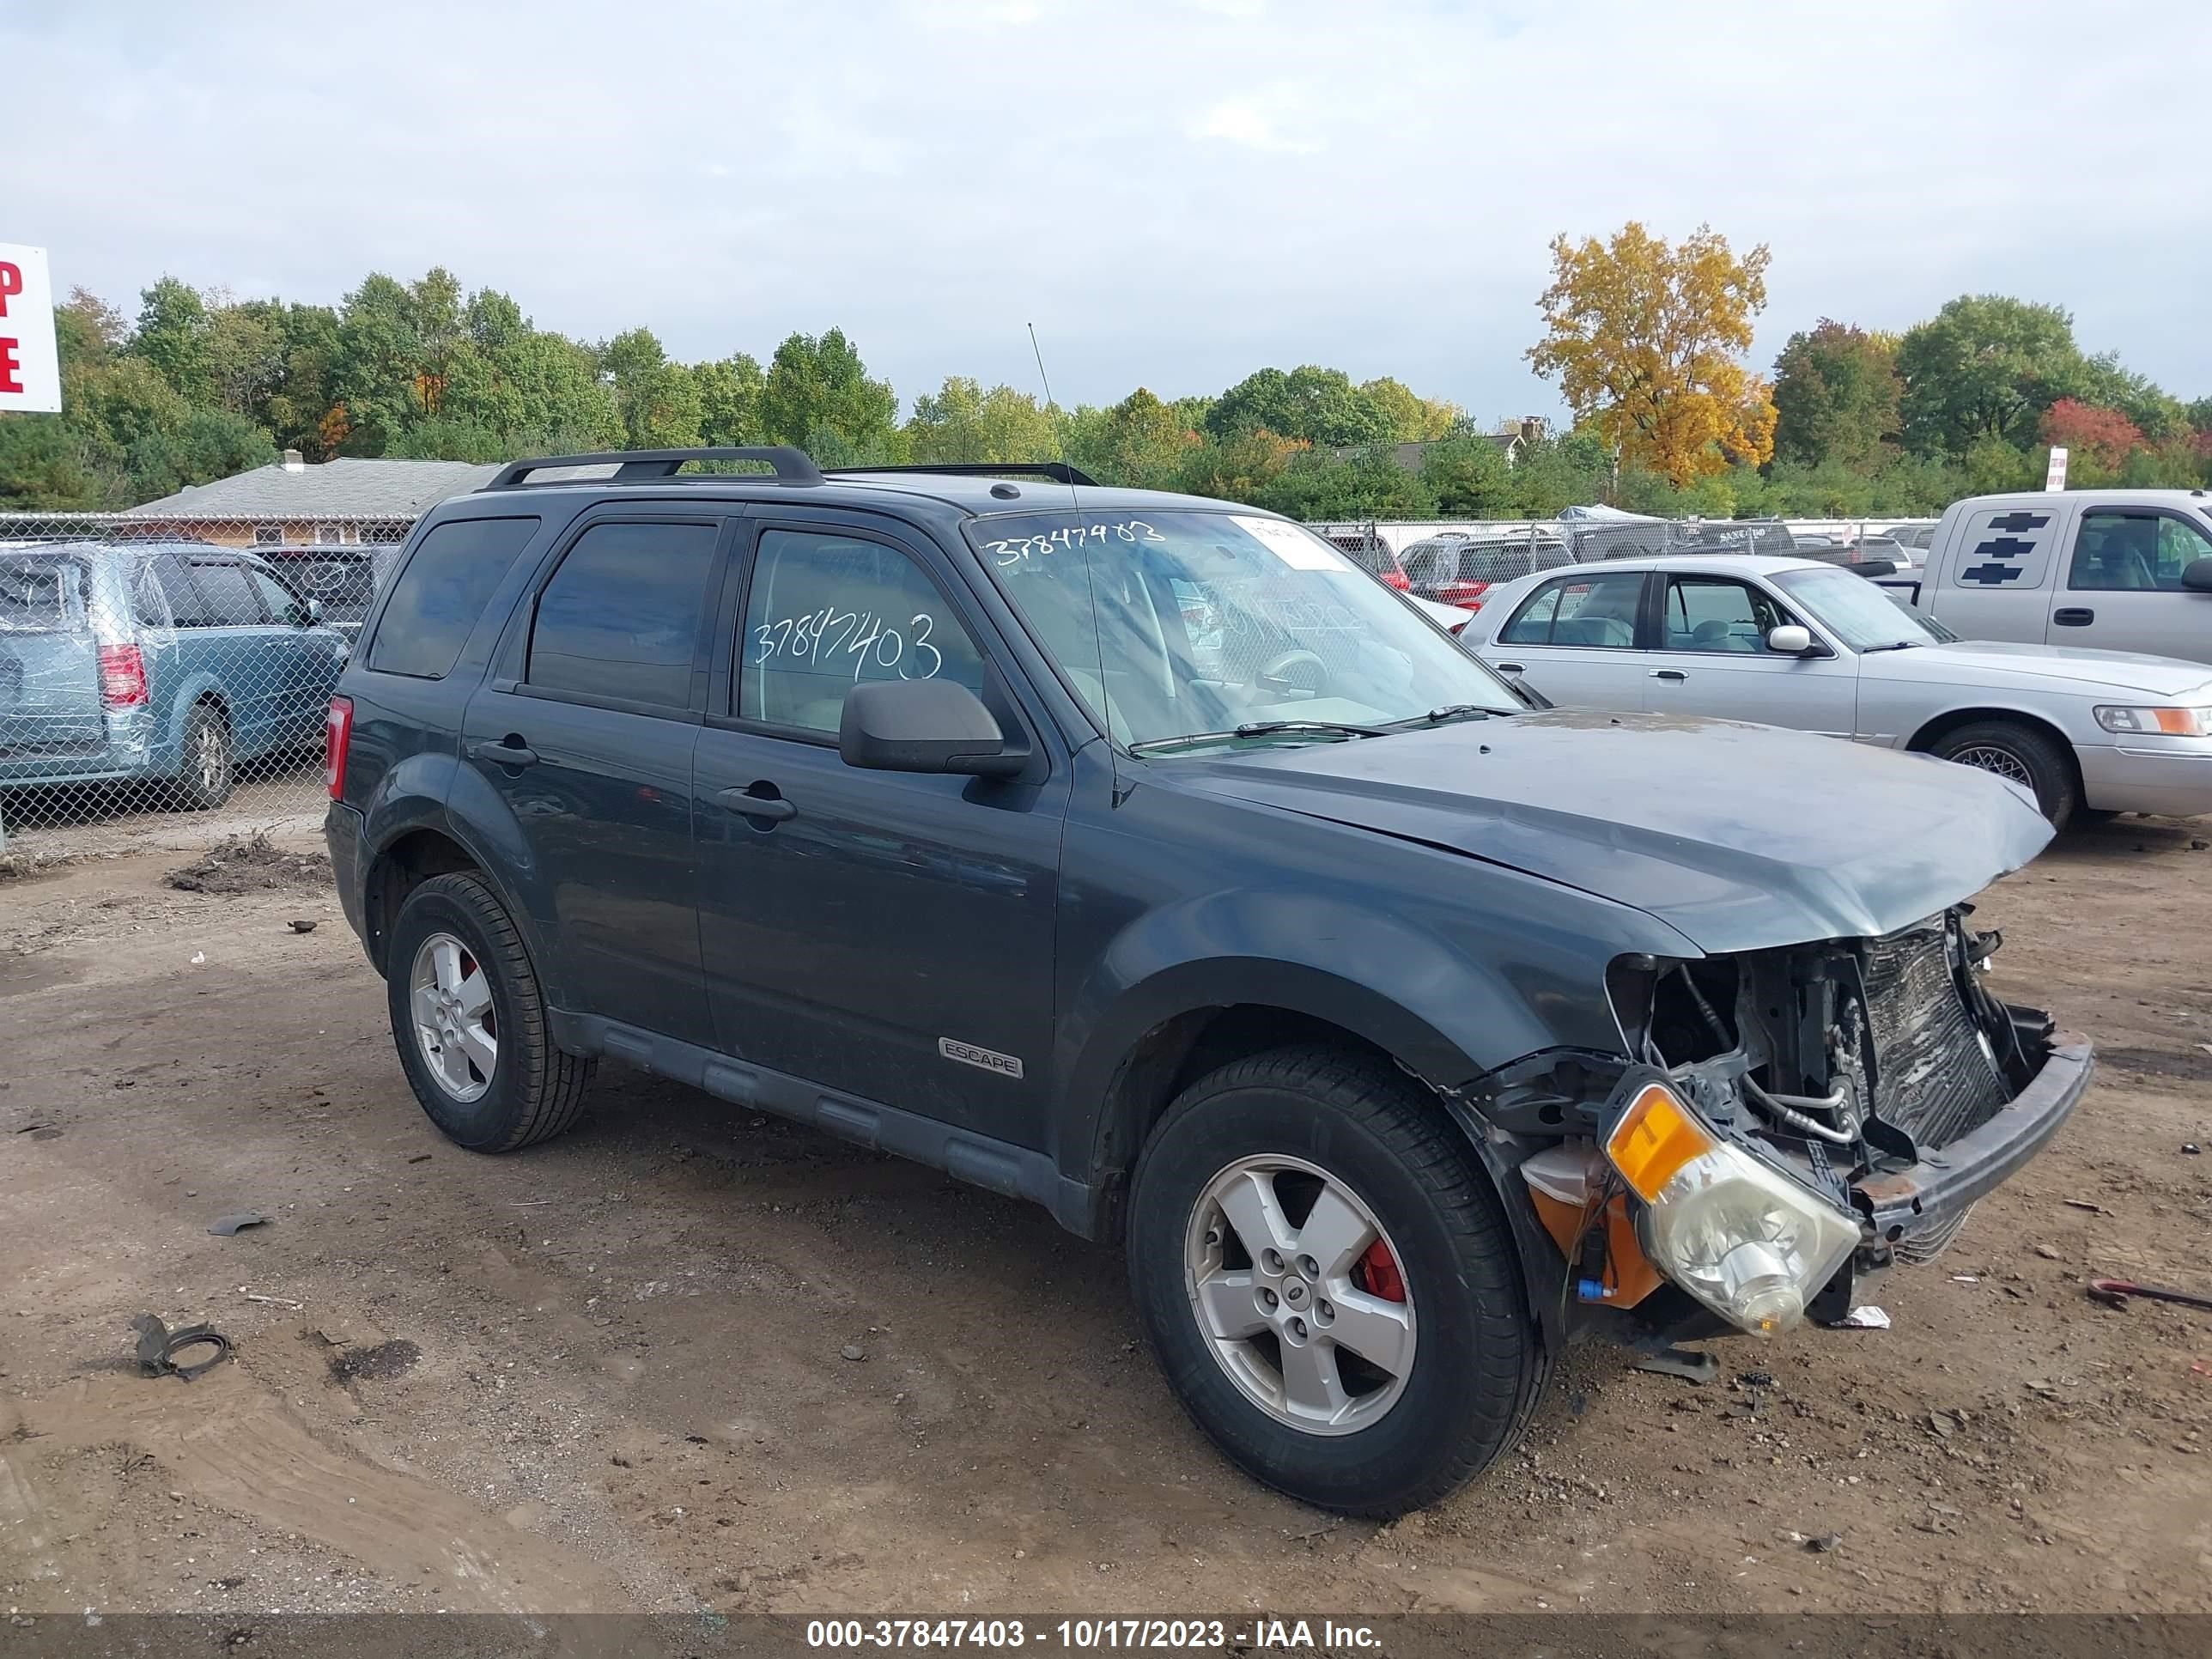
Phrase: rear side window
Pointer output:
(186, 608)
(231, 600)
(442, 593)
(43, 595)
(621, 616)
(1582, 610)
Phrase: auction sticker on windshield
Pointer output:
(1292, 545)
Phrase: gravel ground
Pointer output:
(611, 1374)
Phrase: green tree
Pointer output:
(1244, 468)
(962, 423)
(1140, 442)
(208, 443)
(1985, 368)
(656, 400)
(1413, 419)
(729, 399)
(817, 394)
(171, 336)
(1310, 405)
(375, 358)
(1835, 393)
(1468, 476)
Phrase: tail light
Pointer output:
(122, 675)
(337, 736)
(1395, 578)
(1467, 594)
(1459, 628)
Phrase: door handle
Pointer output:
(1668, 674)
(1511, 668)
(771, 809)
(512, 752)
(2073, 616)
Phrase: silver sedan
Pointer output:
(1796, 642)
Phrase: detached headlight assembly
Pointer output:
(2156, 722)
(1746, 1241)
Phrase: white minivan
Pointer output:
(2115, 569)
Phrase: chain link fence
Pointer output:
(164, 682)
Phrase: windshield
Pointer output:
(1854, 610)
(40, 593)
(1207, 621)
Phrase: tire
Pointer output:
(531, 1089)
(2021, 753)
(1361, 1127)
(207, 771)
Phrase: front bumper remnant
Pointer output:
(1897, 1204)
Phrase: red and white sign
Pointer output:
(30, 366)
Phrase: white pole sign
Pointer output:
(2054, 476)
(30, 366)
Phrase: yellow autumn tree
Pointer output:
(1647, 340)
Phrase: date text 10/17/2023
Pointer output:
(1090, 1635)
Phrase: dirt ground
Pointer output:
(611, 1373)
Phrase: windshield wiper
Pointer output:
(1894, 645)
(1264, 729)
(1462, 711)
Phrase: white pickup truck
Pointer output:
(2117, 569)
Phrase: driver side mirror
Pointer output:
(1791, 640)
(923, 726)
(2197, 576)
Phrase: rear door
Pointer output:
(50, 706)
(1712, 659)
(586, 729)
(2122, 589)
(1574, 639)
(308, 666)
(247, 653)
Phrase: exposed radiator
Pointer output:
(1935, 1080)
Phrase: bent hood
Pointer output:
(1739, 837)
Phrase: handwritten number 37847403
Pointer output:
(820, 636)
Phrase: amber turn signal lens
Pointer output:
(1654, 1138)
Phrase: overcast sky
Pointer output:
(1174, 193)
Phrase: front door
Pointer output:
(1574, 639)
(2123, 590)
(886, 935)
(588, 742)
(1712, 659)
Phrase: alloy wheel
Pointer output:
(1299, 1293)
(456, 1027)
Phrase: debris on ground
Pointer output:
(302, 924)
(159, 1347)
(2115, 1292)
(853, 1351)
(1686, 1363)
(376, 1364)
(2084, 1204)
(229, 1227)
(1868, 1318)
(251, 864)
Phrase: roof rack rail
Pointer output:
(1057, 471)
(637, 466)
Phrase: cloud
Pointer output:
(1258, 121)
(1174, 192)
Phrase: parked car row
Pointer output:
(165, 663)
(1798, 643)
(1140, 855)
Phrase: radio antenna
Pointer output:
(1051, 408)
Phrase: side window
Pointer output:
(442, 593)
(274, 596)
(185, 604)
(1581, 610)
(231, 600)
(2181, 544)
(621, 616)
(2115, 553)
(826, 612)
(1712, 613)
(149, 600)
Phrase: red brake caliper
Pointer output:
(1378, 1270)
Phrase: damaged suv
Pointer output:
(1140, 855)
